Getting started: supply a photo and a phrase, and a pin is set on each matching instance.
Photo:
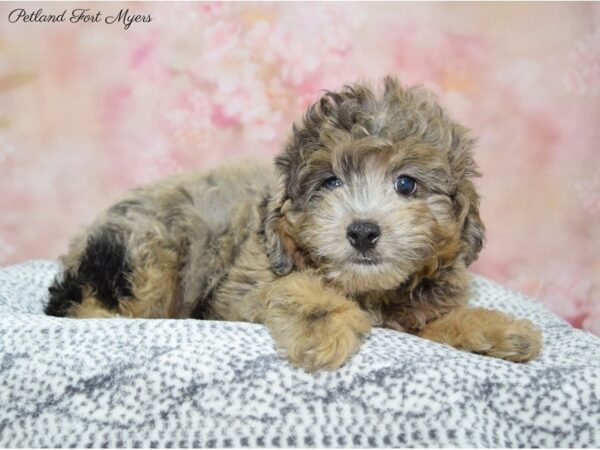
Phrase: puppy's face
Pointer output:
(376, 190)
(374, 213)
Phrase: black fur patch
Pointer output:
(64, 292)
(103, 267)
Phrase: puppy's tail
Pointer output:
(102, 273)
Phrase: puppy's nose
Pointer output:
(363, 235)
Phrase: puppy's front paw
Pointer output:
(487, 332)
(517, 341)
(321, 339)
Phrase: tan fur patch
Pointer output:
(154, 283)
(90, 307)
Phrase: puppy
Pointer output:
(369, 218)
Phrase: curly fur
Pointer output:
(269, 245)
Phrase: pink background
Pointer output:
(90, 110)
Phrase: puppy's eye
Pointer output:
(405, 185)
(332, 183)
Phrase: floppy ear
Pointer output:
(466, 198)
(466, 203)
(279, 243)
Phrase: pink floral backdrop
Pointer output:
(89, 110)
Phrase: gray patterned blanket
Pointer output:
(183, 383)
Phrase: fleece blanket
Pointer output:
(188, 383)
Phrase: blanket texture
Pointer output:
(183, 383)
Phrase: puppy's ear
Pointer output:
(473, 231)
(279, 243)
(466, 198)
(282, 250)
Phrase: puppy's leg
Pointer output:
(95, 277)
(487, 332)
(153, 279)
(314, 326)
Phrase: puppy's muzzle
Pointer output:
(363, 235)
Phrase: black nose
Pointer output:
(363, 235)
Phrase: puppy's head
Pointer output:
(375, 190)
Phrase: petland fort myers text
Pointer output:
(78, 15)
